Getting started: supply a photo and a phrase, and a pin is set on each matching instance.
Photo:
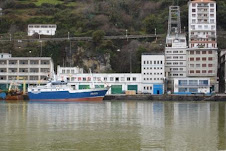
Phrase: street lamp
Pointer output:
(126, 35)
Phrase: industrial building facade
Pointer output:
(34, 70)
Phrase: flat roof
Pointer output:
(203, 1)
(40, 24)
(150, 53)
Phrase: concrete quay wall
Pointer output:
(166, 97)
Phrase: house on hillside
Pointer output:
(42, 29)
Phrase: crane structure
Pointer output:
(174, 22)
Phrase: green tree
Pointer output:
(98, 36)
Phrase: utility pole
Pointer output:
(41, 48)
(130, 57)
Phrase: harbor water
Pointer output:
(112, 126)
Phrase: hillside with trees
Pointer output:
(96, 19)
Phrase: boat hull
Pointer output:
(94, 95)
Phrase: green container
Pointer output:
(83, 87)
(132, 87)
(116, 89)
(99, 86)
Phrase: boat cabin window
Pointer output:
(59, 83)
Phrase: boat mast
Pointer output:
(91, 74)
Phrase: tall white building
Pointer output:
(176, 48)
(42, 29)
(153, 73)
(202, 24)
(202, 56)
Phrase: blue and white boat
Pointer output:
(62, 91)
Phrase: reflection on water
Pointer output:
(124, 126)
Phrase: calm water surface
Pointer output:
(113, 126)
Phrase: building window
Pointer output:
(193, 82)
(122, 79)
(210, 65)
(193, 90)
(192, 71)
(198, 59)
(144, 88)
(128, 78)
(203, 71)
(63, 71)
(203, 65)
(197, 52)
(182, 90)
(144, 62)
(210, 58)
(203, 58)
(210, 71)
(193, 10)
(210, 52)
(183, 82)
(197, 71)
(192, 59)
(192, 65)
(111, 78)
(203, 82)
(197, 65)
(105, 78)
(117, 79)
(134, 78)
(211, 5)
(203, 52)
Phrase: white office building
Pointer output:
(153, 73)
(42, 29)
(34, 70)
